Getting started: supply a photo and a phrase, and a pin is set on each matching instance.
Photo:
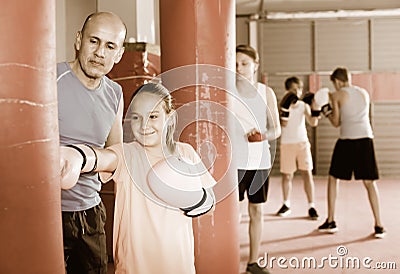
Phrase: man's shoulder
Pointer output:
(360, 89)
(339, 96)
(62, 67)
(112, 84)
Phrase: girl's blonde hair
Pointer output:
(164, 94)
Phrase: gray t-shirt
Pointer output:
(85, 117)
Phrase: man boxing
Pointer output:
(354, 150)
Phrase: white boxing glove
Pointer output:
(70, 163)
(321, 99)
(177, 183)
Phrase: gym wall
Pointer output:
(311, 49)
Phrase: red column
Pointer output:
(197, 32)
(139, 64)
(30, 208)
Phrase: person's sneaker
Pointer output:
(256, 269)
(329, 227)
(379, 232)
(284, 211)
(312, 213)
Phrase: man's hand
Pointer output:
(71, 162)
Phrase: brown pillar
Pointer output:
(197, 32)
(30, 208)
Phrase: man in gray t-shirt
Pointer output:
(90, 112)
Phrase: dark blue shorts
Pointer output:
(356, 156)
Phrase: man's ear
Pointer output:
(119, 55)
(78, 41)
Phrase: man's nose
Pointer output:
(100, 51)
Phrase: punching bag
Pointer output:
(30, 199)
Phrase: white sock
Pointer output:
(310, 205)
(287, 203)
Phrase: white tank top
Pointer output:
(354, 114)
(295, 130)
(251, 113)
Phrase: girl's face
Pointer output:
(245, 66)
(148, 119)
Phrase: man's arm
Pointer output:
(311, 120)
(116, 135)
(283, 123)
(80, 158)
(334, 117)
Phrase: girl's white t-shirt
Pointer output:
(148, 237)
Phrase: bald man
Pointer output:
(90, 109)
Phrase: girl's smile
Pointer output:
(148, 119)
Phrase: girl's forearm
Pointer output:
(107, 160)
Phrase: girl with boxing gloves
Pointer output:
(159, 184)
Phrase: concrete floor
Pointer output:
(295, 238)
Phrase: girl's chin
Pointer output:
(147, 143)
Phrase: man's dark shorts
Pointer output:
(356, 156)
(85, 241)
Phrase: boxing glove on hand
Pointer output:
(326, 110)
(177, 183)
(308, 98)
(254, 136)
(287, 100)
(205, 205)
(89, 157)
(70, 165)
(322, 101)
